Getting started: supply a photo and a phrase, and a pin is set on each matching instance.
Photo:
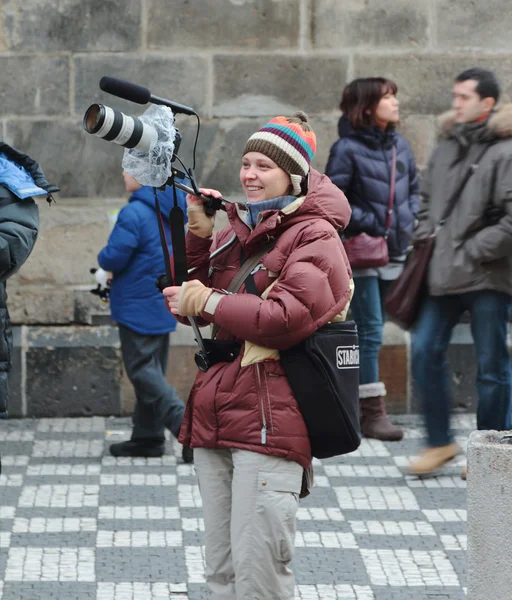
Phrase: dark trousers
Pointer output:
(489, 318)
(158, 404)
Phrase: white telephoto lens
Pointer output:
(126, 132)
(108, 121)
(149, 137)
(136, 134)
(114, 126)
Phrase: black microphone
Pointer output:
(140, 95)
(125, 90)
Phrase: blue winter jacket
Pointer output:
(134, 255)
(360, 165)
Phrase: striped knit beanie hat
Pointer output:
(290, 143)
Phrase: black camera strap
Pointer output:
(177, 225)
(178, 274)
(163, 242)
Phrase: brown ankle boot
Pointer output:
(375, 422)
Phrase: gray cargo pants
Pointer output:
(158, 405)
(250, 502)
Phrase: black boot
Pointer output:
(138, 448)
(187, 454)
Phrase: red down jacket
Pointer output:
(306, 281)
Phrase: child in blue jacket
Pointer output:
(134, 256)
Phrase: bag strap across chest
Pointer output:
(245, 272)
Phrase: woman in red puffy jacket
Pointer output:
(242, 419)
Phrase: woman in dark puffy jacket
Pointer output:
(360, 164)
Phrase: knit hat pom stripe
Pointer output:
(282, 144)
(292, 137)
(306, 134)
(283, 135)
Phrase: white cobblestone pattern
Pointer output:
(50, 564)
(392, 528)
(409, 568)
(42, 525)
(140, 591)
(376, 498)
(334, 592)
(133, 529)
(139, 512)
(137, 539)
(59, 496)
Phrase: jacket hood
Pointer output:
(323, 200)
(371, 136)
(165, 198)
(499, 124)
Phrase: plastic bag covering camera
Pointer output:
(153, 168)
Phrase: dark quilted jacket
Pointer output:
(19, 224)
(360, 165)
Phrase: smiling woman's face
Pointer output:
(262, 179)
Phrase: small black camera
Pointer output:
(216, 351)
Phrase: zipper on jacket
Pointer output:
(268, 400)
(264, 419)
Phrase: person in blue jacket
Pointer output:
(134, 256)
(360, 165)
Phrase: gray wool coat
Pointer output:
(473, 249)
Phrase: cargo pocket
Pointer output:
(277, 504)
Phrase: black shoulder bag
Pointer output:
(323, 372)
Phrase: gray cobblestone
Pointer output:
(78, 524)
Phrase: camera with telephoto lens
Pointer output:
(114, 126)
(151, 145)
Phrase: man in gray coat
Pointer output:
(469, 177)
(19, 224)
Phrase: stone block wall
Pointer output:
(237, 62)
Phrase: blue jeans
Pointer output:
(489, 318)
(368, 312)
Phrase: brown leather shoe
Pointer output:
(432, 459)
(464, 474)
(374, 420)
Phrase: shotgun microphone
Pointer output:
(140, 95)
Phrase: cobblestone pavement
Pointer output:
(76, 524)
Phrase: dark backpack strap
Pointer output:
(250, 284)
(245, 272)
(455, 196)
